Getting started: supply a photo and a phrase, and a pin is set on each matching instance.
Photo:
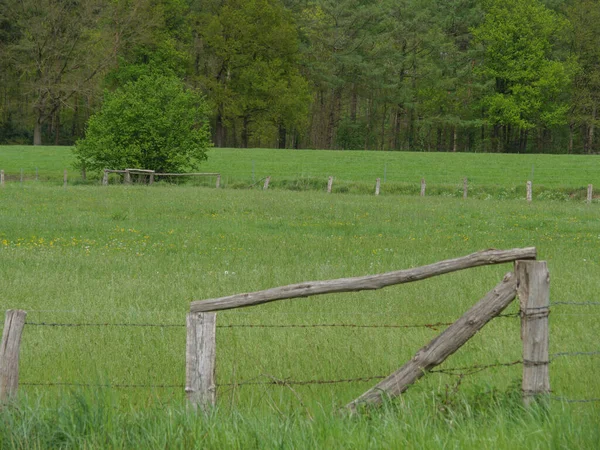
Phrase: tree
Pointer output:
(585, 18)
(518, 39)
(152, 123)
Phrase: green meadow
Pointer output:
(138, 255)
(490, 176)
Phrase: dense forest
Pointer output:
(423, 75)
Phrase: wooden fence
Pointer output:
(529, 280)
(151, 174)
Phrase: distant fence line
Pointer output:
(151, 176)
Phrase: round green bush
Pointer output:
(153, 123)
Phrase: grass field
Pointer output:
(501, 176)
(139, 255)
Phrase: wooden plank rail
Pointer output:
(369, 282)
(442, 346)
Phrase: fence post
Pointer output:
(65, 178)
(465, 187)
(105, 178)
(533, 289)
(423, 185)
(127, 177)
(218, 184)
(83, 174)
(200, 355)
(151, 179)
(329, 185)
(529, 196)
(2, 178)
(9, 353)
(377, 186)
(266, 185)
(590, 192)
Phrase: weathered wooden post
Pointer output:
(105, 178)
(218, 184)
(329, 185)
(465, 187)
(9, 353)
(266, 185)
(533, 289)
(377, 186)
(83, 174)
(423, 186)
(2, 178)
(65, 178)
(529, 195)
(200, 356)
(151, 179)
(127, 177)
(590, 193)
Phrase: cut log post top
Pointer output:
(369, 282)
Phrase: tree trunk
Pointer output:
(282, 137)
(245, 132)
(353, 104)
(454, 139)
(590, 137)
(334, 116)
(570, 149)
(220, 131)
(37, 132)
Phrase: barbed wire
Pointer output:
(470, 370)
(576, 303)
(116, 386)
(433, 326)
(571, 400)
(557, 355)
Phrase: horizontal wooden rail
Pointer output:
(369, 282)
(188, 174)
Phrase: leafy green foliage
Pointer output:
(152, 123)
(518, 55)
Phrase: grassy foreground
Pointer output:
(139, 255)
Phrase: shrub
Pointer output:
(152, 123)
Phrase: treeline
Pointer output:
(425, 75)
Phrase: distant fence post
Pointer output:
(105, 178)
(200, 356)
(151, 178)
(529, 195)
(423, 186)
(266, 185)
(465, 187)
(590, 193)
(83, 174)
(127, 177)
(2, 178)
(218, 183)
(65, 178)
(533, 288)
(329, 185)
(377, 186)
(9, 353)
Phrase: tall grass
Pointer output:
(140, 254)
